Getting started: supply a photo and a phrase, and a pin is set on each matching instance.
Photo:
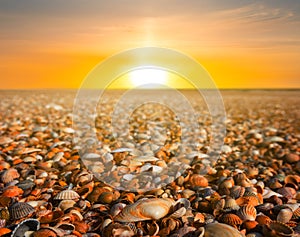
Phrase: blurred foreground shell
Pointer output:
(221, 230)
(19, 210)
(24, 226)
(145, 209)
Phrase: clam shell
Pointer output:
(247, 212)
(145, 209)
(231, 219)
(66, 204)
(122, 149)
(24, 226)
(197, 180)
(219, 229)
(9, 175)
(263, 219)
(285, 215)
(276, 228)
(287, 192)
(67, 195)
(237, 191)
(19, 210)
(269, 193)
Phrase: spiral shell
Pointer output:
(19, 210)
(67, 195)
(247, 212)
(145, 209)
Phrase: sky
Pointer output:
(241, 43)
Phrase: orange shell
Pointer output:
(12, 191)
(9, 175)
(44, 232)
(4, 231)
(263, 220)
(231, 219)
(247, 212)
(197, 180)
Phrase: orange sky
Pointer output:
(242, 44)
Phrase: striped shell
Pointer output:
(247, 212)
(67, 195)
(276, 228)
(230, 205)
(221, 230)
(237, 191)
(145, 209)
(231, 219)
(263, 219)
(19, 210)
(24, 226)
(9, 175)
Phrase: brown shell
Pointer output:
(197, 180)
(296, 213)
(4, 214)
(287, 192)
(247, 212)
(19, 210)
(12, 191)
(237, 192)
(44, 232)
(263, 219)
(9, 175)
(230, 219)
(249, 225)
(67, 195)
(276, 228)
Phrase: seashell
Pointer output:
(269, 193)
(43, 232)
(247, 212)
(26, 184)
(276, 228)
(24, 226)
(66, 204)
(178, 213)
(9, 175)
(254, 234)
(237, 191)
(230, 205)
(12, 191)
(4, 231)
(219, 229)
(81, 227)
(145, 209)
(231, 219)
(249, 225)
(291, 158)
(4, 214)
(291, 179)
(287, 192)
(284, 215)
(296, 213)
(263, 219)
(67, 195)
(65, 226)
(19, 210)
(123, 149)
(106, 197)
(197, 180)
(145, 159)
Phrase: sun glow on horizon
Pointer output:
(148, 76)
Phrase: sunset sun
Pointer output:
(144, 76)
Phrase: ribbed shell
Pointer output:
(230, 205)
(263, 219)
(231, 219)
(67, 195)
(279, 228)
(19, 210)
(9, 175)
(247, 212)
(237, 191)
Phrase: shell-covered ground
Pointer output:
(121, 188)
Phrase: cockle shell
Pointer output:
(67, 195)
(230, 205)
(145, 209)
(285, 215)
(231, 219)
(9, 175)
(19, 210)
(247, 212)
(276, 228)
